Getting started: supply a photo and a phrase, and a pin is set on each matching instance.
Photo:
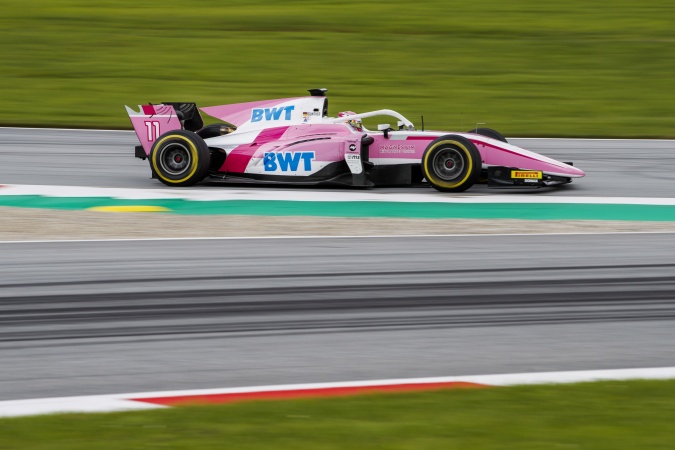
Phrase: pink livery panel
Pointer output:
(289, 157)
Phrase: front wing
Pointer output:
(512, 177)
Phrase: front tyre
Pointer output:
(180, 158)
(451, 163)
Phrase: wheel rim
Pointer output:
(175, 159)
(448, 164)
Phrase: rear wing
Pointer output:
(154, 120)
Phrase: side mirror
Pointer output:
(401, 125)
(385, 127)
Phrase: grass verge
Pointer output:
(574, 68)
(603, 415)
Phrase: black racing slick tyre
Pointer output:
(489, 132)
(180, 158)
(451, 163)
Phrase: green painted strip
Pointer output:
(526, 211)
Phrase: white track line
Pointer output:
(88, 404)
(201, 194)
(132, 401)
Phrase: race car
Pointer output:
(294, 141)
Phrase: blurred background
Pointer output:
(582, 68)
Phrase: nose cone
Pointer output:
(508, 155)
(572, 171)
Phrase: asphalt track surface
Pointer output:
(80, 318)
(83, 318)
(614, 168)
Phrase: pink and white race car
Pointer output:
(294, 141)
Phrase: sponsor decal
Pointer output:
(397, 148)
(352, 147)
(354, 162)
(531, 181)
(524, 174)
(260, 114)
(288, 161)
(152, 127)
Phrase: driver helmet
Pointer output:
(355, 123)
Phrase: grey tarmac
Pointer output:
(84, 318)
(614, 168)
(93, 317)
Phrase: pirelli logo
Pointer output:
(528, 174)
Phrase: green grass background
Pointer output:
(630, 415)
(525, 67)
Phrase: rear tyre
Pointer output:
(180, 158)
(489, 132)
(451, 163)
